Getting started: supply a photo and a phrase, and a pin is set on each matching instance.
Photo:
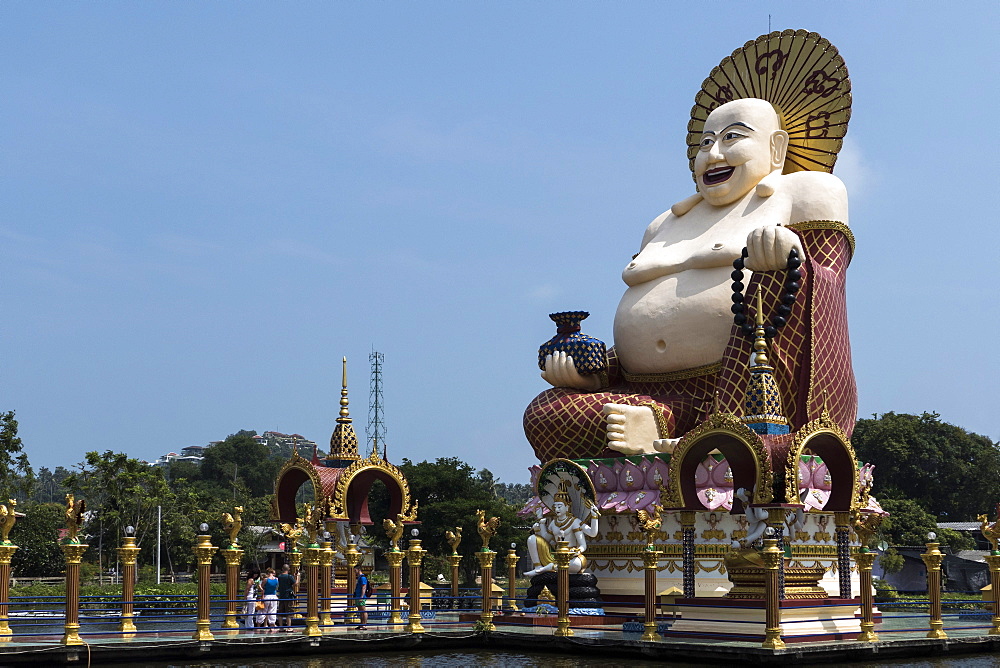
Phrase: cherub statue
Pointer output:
(8, 516)
(394, 531)
(990, 531)
(74, 518)
(233, 523)
(650, 523)
(313, 522)
(293, 532)
(454, 539)
(487, 528)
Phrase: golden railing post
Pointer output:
(127, 554)
(395, 559)
(325, 580)
(7, 550)
(512, 578)
(312, 591)
(994, 561)
(562, 556)
(486, 557)
(773, 556)
(455, 560)
(204, 551)
(650, 562)
(932, 560)
(353, 558)
(866, 524)
(413, 557)
(234, 558)
(74, 555)
(295, 563)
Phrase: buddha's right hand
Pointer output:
(561, 372)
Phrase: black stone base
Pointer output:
(583, 591)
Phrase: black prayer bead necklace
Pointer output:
(778, 320)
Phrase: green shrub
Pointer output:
(884, 592)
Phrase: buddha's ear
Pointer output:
(779, 146)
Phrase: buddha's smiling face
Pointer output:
(741, 144)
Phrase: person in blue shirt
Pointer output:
(360, 596)
(270, 585)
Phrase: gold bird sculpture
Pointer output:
(454, 539)
(8, 516)
(991, 531)
(394, 530)
(487, 528)
(233, 523)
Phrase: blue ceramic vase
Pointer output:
(589, 354)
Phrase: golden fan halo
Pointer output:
(804, 78)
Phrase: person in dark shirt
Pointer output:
(360, 596)
(286, 596)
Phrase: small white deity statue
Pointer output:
(756, 520)
(561, 524)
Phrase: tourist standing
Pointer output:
(250, 612)
(360, 596)
(286, 596)
(270, 586)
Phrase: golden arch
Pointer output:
(742, 448)
(342, 491)
(827, 440)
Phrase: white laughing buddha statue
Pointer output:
(676, 351)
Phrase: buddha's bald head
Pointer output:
(742, 142)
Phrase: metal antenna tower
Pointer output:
(376, 420)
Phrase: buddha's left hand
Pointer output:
(768, 248)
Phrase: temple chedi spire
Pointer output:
(343, 442)
(763, 412)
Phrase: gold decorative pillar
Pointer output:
(74, 555)
(994, 561)
(395, 559)
(204, 550)
(512, 578)
(7, 550)
(127, 554)
(455, 560)
(687, 552)
(325, 582)
(353, 558)
(932, 560)
(865, 525)
(650, 562)
(234, 557)
(776, 521)
(562, 557)
(312, 558)
(842, 520)
(773, 556)
(486, 557)
(295, 563)
(413, 557)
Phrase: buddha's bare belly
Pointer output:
(675, 322)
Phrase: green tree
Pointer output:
(951, 473)
(37, 535)
(239, 460)
(120, 491)
(16, 476)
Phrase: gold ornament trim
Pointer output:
(804, 78)
(726, 424)
(684, 374)
(824, 424)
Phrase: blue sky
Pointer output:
(204, 206)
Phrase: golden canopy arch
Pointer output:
(342, 491)
(824, 438)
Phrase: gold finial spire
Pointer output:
(344, 442)
(760, 341)
(344, 413)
